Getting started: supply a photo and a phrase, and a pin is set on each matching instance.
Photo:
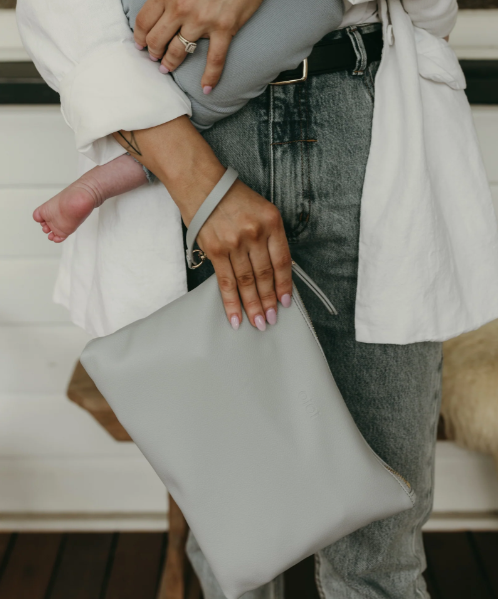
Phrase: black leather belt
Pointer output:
(330, 56)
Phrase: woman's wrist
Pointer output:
(180, 158)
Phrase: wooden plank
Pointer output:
(62, 487)
(30, 566)
(456, 571)
(27, 287)
(20, 235)
(137, 566)
(37, 146)
(486, 547)
(174, 575)
(35, 425)
(300, 580)
(82, 568)
(39, 358)
(431, 584)
(486, 123)
(83, 392)
(5, 542)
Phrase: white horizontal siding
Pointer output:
(27, 418)
(37, 147)
(38, 358)
(486, 122)
(20, 235)
(11, 48)
(27, 286)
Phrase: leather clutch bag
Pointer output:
(247, 430)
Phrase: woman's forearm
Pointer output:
(180, 158)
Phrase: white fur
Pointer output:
(470, 389)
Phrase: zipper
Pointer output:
(402, 479)
(299, 301)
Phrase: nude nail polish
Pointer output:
(138, 46)
(235, 322)
(260, 322)
(153, 58)
(163, 69)
(207, 89)
(271, 316)
(285, 300)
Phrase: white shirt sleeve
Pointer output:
(435, 16)
(84, 50)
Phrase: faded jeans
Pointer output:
(305, 148)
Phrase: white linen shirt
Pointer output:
(428, 255)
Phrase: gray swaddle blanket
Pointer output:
(280, 34)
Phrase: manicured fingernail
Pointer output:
(235, 322)
(153, 58)
(285, 300)
(271, 316)
(207, 89)
(259, 321)
(163, 69)
(138, 46)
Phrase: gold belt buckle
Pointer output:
(303, 77)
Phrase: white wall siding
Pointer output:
(58, 467)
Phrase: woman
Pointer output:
(418, 271)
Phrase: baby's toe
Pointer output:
(46, 228)
(51, 236)
(58, 238)
(37, 215)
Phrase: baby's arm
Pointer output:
(277, 38)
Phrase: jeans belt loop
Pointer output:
(359, 49)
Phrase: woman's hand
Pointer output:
(244, 237)
(219, 20)
(245, 240)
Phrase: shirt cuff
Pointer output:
(117, 88)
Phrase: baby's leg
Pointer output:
(64, 213)
(277, 38)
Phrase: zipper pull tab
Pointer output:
(314, 287)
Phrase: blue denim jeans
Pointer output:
(305, 148)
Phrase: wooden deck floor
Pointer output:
(127, 566)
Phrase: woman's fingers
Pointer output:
(265, 281)
(281, 260)
(245, 239)
(246, 283)
(217, 53)
(176, 52)
(229, 291)
(148, 16)
(160, 35)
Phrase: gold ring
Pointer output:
(189, 46)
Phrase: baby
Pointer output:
(277, 38)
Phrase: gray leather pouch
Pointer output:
(247, 430)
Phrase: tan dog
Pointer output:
(470, 389)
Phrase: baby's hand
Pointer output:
(159, 21)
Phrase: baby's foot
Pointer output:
(64, 213)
